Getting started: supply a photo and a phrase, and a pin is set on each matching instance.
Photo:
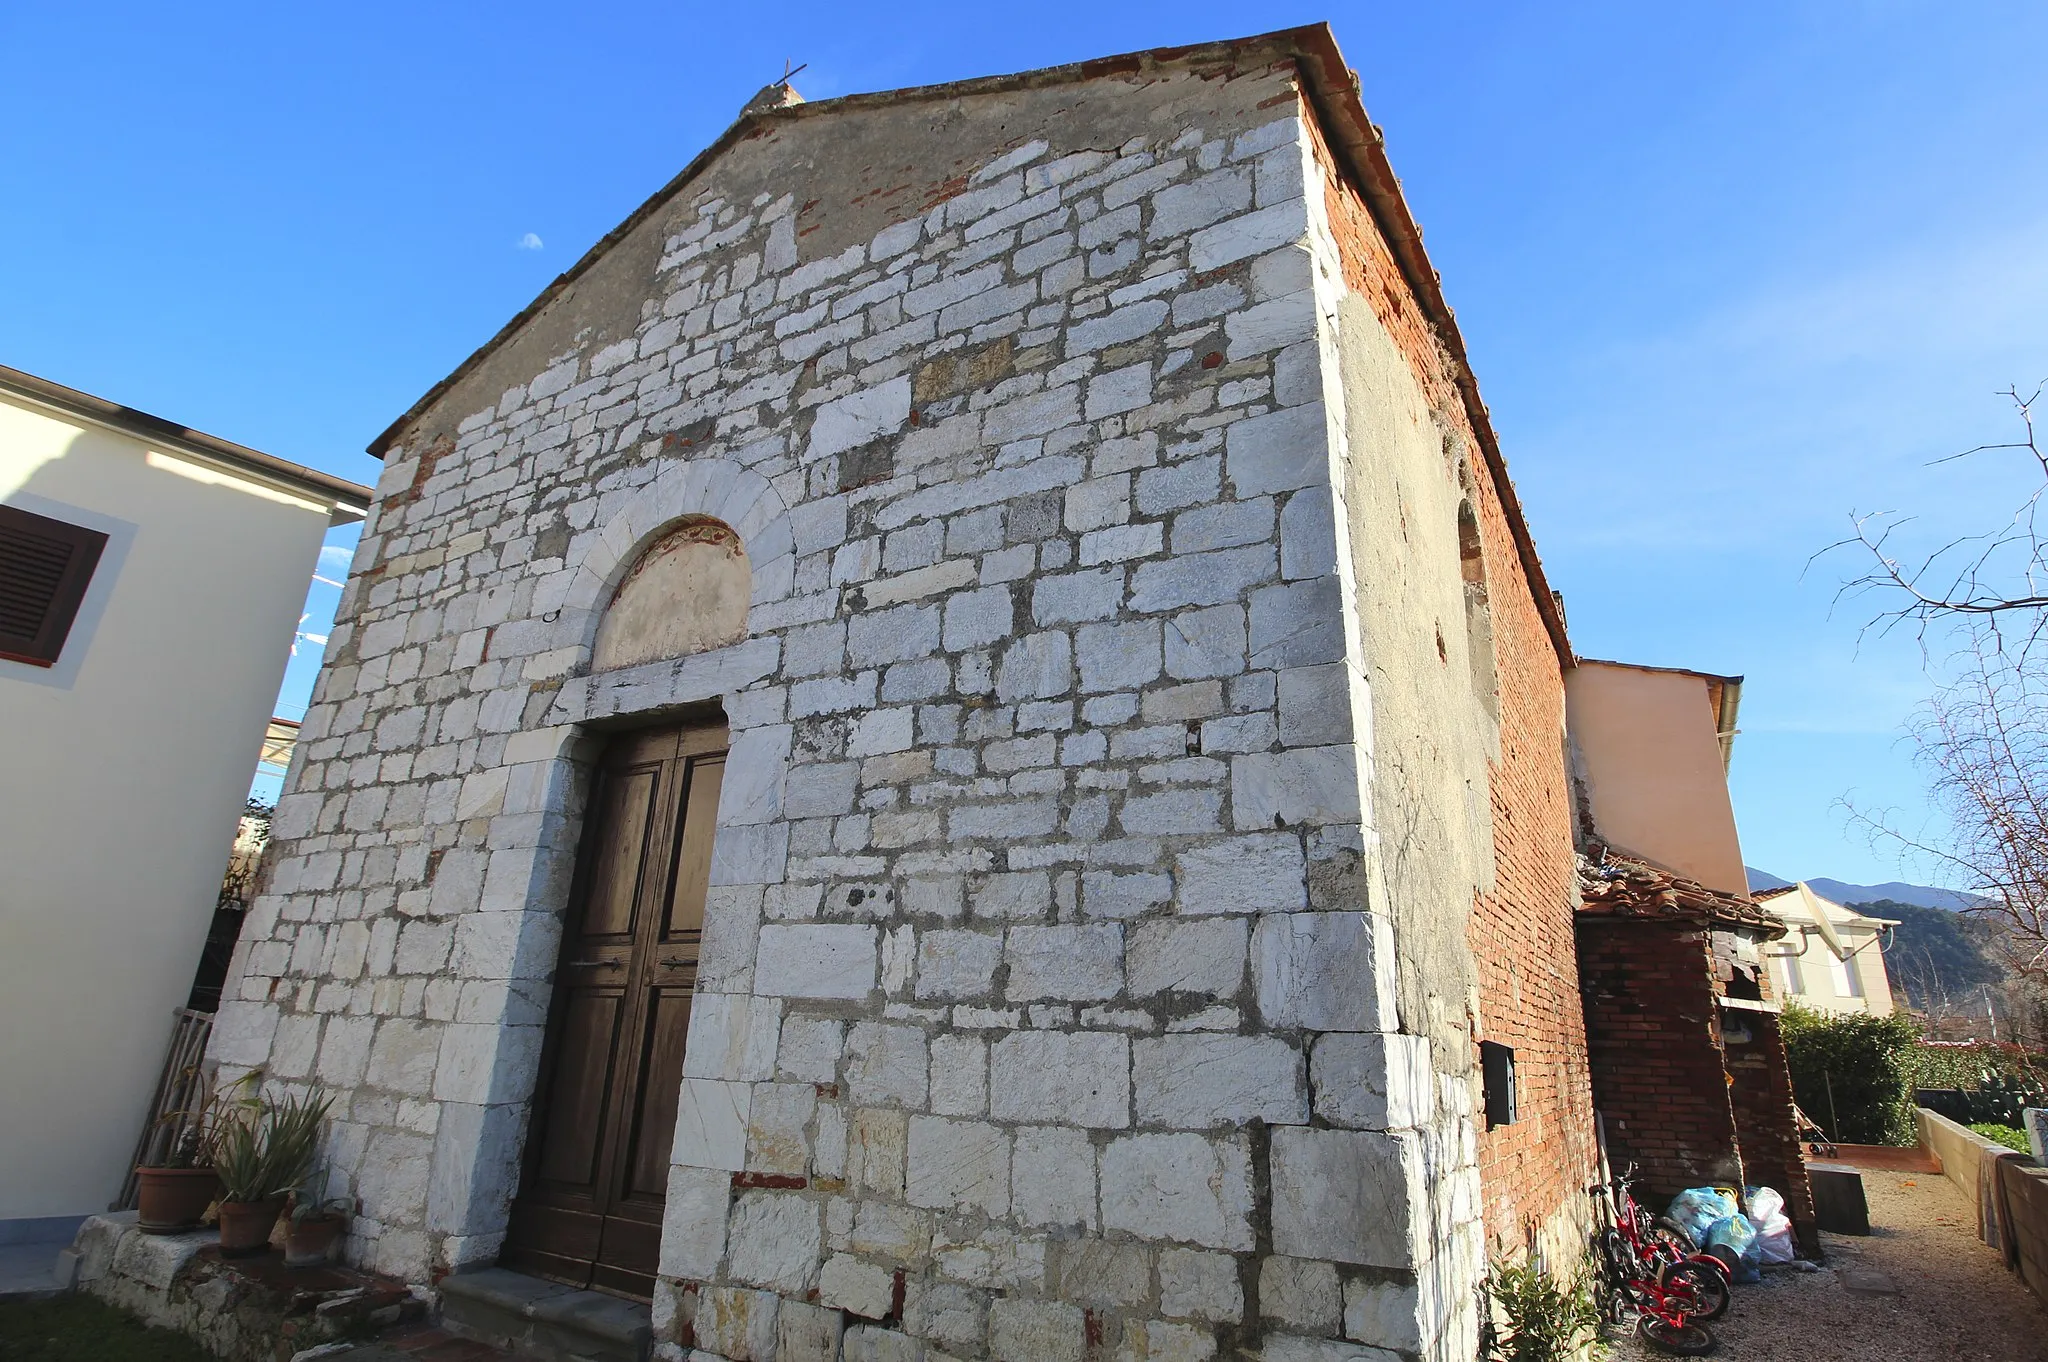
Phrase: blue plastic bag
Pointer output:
(1696, 1210)
(1738, 1237)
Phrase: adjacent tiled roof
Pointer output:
(1621, 886)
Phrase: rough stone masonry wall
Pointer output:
(1474, 796)
(1045, 1010)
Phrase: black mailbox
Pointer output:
(1497, 1067)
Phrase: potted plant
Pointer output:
(261, 1153)
(314, 1225)
(176, 1182)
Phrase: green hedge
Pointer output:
(1853, 1074)
(1873, 1065)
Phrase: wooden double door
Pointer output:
(595, 1174)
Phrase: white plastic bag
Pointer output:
(1773, 1230)
(1774, 1241)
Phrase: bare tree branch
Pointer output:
(1982, 743)
(1989, 577)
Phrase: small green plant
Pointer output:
(1541, 1317)
(2009, 1136)
(265, 1147)
(192, 1132)
(308, 1203)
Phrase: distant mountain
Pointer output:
(1936, 956)
(1921, 895)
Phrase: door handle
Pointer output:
(593, 964)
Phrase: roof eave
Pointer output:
(346, 501)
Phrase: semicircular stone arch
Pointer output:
(688, 593)
(701, 491)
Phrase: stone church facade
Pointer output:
(1044, 534)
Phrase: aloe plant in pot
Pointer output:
(175, 1181)
(314, 1224)
(262, 1152)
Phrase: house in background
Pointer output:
(1689, 1071)
(151, 580)
(1832, 958)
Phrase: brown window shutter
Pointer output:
(45, 566)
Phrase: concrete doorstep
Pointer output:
(545, 1320)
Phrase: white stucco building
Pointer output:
(1832, 958)
(151, 579)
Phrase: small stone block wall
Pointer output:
(247, 1310)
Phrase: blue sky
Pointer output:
(1727, 272)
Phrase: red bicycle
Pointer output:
(1662, 1244)
(1646, 1276)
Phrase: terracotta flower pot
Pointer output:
(310, 1242)
(171, 1200)
(245, 1226)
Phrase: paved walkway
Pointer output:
(28, 1258)
(1949, 1297)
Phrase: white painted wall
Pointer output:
(122, 773)
(1650, 754)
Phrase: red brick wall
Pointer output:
(1762, 1094)
(1659, 1076)
(1521, 933)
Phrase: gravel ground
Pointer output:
(1955, 1300)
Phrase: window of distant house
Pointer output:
(1793, 982)
(45, 567)
(1848, 983)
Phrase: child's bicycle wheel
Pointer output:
(1709, 1288)
(1686, 1340)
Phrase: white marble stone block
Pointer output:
(1053, 1177)
(1325, 971)
(1372, 1080)
(1084, 1077)
(711, 1124)
(1194, 1082)
(1348, 1196)
(1184, 1188)
(773, 1240)
(958, 1163)
(817, 960)
(1074, 963)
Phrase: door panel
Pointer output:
(574, 1133)
(654, 1122)
(616, 868)
(685, 916)
(596, 1168)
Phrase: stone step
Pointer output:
(413, 1343)
(545, 1321)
